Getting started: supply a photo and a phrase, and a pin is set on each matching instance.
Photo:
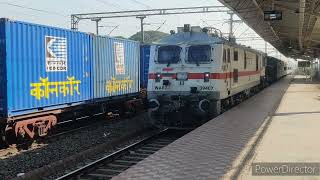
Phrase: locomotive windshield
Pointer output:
(199, 54)
(169, 54)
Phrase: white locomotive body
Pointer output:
(195, 73)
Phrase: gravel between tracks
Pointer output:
(69, 145)
(99, 156)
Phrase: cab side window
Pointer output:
(235, 75)
(235, 55)
(245, 60)
(257, 62)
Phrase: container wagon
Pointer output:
(144, 65)
(49, 74)
(43, 70)
(116, 72)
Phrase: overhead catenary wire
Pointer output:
(76, 18)
(18, 5)
(161, 25)
(24, 14)
(141, 3)
(244, 32)
(113, 30)
(111, 4)
(34, 9)
(54, 13)
(205, 22)
(222, 22)
(237, 27)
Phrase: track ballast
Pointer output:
(117, 162)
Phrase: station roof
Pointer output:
(298, 33)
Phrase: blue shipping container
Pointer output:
(116, 67)
(42, 67)
(144, 65)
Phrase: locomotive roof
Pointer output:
(189, 38)
(193, 38)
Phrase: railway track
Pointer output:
(62, 129)
(57, 133)
(117, 162)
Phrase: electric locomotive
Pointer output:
(195, 74)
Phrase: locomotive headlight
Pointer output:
(206, 77)
(158, 77)
(154, 104)
(182, 76)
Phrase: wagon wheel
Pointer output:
(3, 139)
(9, 136)
(24, 143)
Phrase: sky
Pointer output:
(57, 13)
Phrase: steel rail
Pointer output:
(110, 157)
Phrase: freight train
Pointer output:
(194, 75)
(49, 75)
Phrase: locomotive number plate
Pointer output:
(161, 87)
(206, 88)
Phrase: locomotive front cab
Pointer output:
(181, 80)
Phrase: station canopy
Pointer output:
(295, 34)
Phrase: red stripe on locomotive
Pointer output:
(212, 75)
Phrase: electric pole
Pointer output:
(97, 24)
(265, 47)
(142, 31)
(231, 25)
(231, 21)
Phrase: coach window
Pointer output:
(224, 55)
(235, 55)
(257, 62)
(245, 60)
(228, 55)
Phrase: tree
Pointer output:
(121, 37)
(149, 36)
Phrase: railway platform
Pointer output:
(218, 149)
(293, 135)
